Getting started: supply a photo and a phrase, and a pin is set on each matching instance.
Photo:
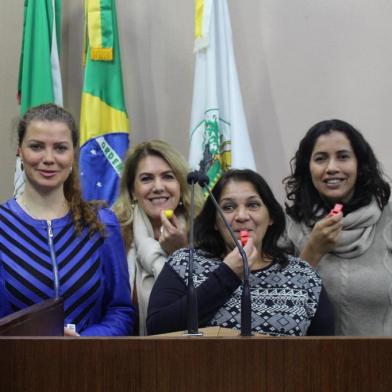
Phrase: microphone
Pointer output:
(202, 179)
(246, 305)
(193, 177)
(192, 316)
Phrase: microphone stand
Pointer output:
(246, 304)
(192, 316)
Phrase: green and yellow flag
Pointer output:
(104, 128)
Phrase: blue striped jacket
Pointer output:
(41, 259)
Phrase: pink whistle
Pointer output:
(244, 236)
(336, 209)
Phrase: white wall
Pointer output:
(299, 62)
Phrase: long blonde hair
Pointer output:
(123, 208)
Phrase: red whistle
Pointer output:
(244, 236)
(336, 209)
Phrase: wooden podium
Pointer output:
(222, 363)
(42, 319)
(210, 332)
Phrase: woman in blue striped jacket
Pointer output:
(55, 244)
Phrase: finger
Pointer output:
(70, 332)
(161, 234)
(334, 218)
(166, 224)
(335, 226)
(163, 217)
(250, 247)
(234, 252)
(338, 215)
(336, 230)
(249, 244)
(172, 223)
(167, 233)
(175, 221)
(324, 227)
(331, 233)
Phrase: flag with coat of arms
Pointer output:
(219, 137)
(104, 126)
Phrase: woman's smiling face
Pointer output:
(156, 188)
(243, 209)
(333, 167)
(47, 154)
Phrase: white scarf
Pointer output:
(359, 228)
(146, 259)
(357, 234)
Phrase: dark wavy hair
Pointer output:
(209, 239)
(304, 200)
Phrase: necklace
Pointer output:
(47, 215)
(21, 201)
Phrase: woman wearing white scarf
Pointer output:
(153, 181)
(352, 249)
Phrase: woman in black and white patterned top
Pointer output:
(287, 294)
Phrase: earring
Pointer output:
(133, 203)
(180, 203)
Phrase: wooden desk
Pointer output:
(196, 364)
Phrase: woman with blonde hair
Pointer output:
(153, 209)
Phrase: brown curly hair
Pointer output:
(84, 214)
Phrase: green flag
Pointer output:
(39, 67)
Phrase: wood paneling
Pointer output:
(196, 364)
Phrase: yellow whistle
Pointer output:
(168, 213)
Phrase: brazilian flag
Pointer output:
(104, 127)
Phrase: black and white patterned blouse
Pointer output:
(285, 299)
